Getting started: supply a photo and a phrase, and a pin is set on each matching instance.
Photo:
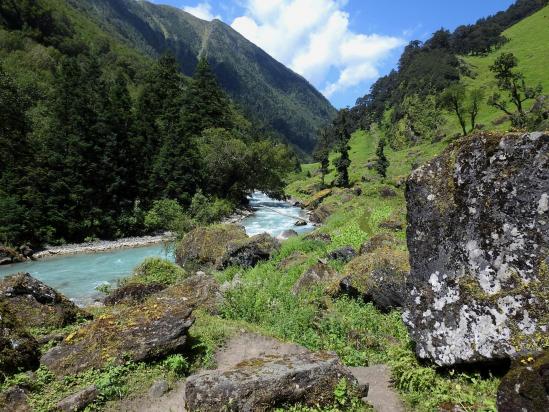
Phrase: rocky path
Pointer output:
(381, 395)
(248, 346)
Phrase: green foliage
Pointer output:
(461, 102)
(176, 364)
(164, 215)
(156, 270)
(207, 210)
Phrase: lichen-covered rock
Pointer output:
(18, 350)
(135, 333)
(265, 383)
(205, 246)
(132, 293)
(319, 237)
(379, 277)
(526, 386)
(248, 252)
(318, 274)
(478, 236)
(317, 198)
(15, 399)
(35, 304)
(198, 291)
(343, 254)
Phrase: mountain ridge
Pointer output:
(277, 98)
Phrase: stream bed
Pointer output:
(78, 276)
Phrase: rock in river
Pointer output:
(478, 237)
(35, 304)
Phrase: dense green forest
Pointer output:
(98, 140)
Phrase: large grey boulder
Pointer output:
(267, 382)
(248, 252)
(478, 237)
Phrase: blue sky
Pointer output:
(340, 46)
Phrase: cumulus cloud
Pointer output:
(314, 39)
(202, 11)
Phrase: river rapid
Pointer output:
(78, 276)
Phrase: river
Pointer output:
(77, 276)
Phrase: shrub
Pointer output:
(156, 270)
(206, 210)
(165, 214)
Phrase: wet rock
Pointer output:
(321, 213)
(319, 273)
(375, 242)
(158, 389)
(79, 400)
(287, 234)
(35, 304)
(344, 254)
(9, 255)
(248, 252)
(264, 383)
(15, 399)
(317, 198)
(296, 258)
(478, 236)
(319, 237)
(205, 246)
(379, 277)
(137, 333)
(132, 293)
(526, 386)
(300, 223)
(18, 349)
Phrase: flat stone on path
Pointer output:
(381, 394)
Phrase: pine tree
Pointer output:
(342, 128)
(382, 163)
(206, 105)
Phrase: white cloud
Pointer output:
(313, 38)
(202, 11)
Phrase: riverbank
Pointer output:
(103, 245)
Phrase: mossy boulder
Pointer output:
(379, 277)
(18, 350)
(377, 241)
(343, 254)
(266, 383)
(318, 274)
(322, 212)
(199, 292)
(205, 246)
(526, 386)
(9, 255)
(35, 304)
(295, 259)
(248, 252)
(137, 333)
(132, 293)
(317, 198)
(478, 236)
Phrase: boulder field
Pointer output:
(478, 238)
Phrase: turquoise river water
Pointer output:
(77, 276)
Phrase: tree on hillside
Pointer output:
(513, 83)
(205, 104)
(322, 154)
(463, 104)
(342, 127)
(382, 163)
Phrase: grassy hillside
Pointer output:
(529, 42)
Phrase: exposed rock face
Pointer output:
(478, 238)
(526, 386)
(321, 213)
(79, 400)
(132, 293)
(264, 383)
(18, 350)
(248, 252)
(156, 328)
(344, 254)
(35, 304)
(205, 246)
(379, 277)
(319, 273)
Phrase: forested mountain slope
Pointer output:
(271, 94)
